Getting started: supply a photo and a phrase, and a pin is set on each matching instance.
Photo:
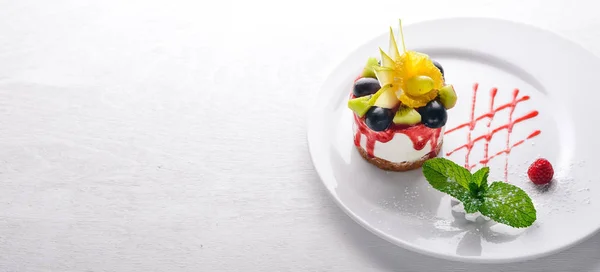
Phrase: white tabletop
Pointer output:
(170, 135)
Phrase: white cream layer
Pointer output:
(398, 149)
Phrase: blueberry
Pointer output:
(439, 66)
(433, 115)
(366, 86)
(378, 118)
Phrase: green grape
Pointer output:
(419, 85)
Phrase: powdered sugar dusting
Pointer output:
(408, 203)
(418, 203)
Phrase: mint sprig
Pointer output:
(500, 201)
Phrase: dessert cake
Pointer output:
(400, 104)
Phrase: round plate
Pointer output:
(556, 75)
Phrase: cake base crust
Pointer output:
(395, 166)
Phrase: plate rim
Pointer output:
(310, 134)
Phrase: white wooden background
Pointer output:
(170, 135)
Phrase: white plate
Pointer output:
(561, 80)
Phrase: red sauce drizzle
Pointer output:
(419, 134)
(489, 135)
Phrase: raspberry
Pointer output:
(540, 171)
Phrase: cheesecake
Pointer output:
(400, 104)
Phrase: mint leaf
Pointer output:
(473, 188)
(483, 186)
(470, 202)
(441, 170)
(508, 204)
(502, 202)
(450, 178)
(479, 178)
